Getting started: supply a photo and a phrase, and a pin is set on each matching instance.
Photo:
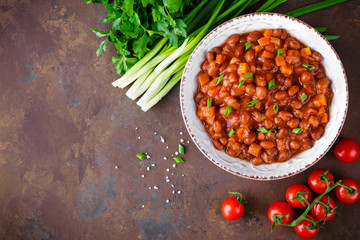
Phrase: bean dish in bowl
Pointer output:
(264, 96)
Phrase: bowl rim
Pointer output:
(181, 93)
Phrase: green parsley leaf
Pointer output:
(98, 32)
(140, 46)
(102, 47)
(173, 5)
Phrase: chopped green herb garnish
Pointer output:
(249, 104)
(178, 160)
(247, 45)
(271, 84)
(141, 156)
(241, 83)
(232, 131)
(218, 80)
(331, 37)
(227, 111)
(303, 97)
(280, 52)
(265, 130)
(276, 107)
(248, 74)
(297, 130)
(308, 66)
(209, 102)
(181, 149)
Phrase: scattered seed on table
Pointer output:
(142, 176)
(173, 191)
(181, 140)
(148, 169)
(153, 164)
(142, 206)
(147, 156)
(116, 167)
(178, 192)
(167, 180)
(136, 128)
(154, 133)
(172, 173)
(167, 170)
(139, 137)
(149, 187)
(155, 187)
(165, 158)
(162, 139)
(172, 185)
(188, 141)
(167, 201)
(176, 153)
(182, 175)
(174, 165)
(167, 147)
(181, 133)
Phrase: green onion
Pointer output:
(178, 160)
(313, 7)
(303, 97)
(280, 52)
(276, 107)
(308, 66)
(331, 37)
(241, 83)
(141, 156)
(181, 149)
(271, 84)
(297, 130)
(227, 111)
(248, 74)
(321, 29)
(218, 80)
(265, 130)
(247, 45)
(232, 131)
(249, 104)
(209, 100)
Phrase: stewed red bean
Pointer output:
(267, 108)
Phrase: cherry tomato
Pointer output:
(304, 232)
(317, 185)
(343, 195)
(293, 190)
(233, 208)
(279, 208)
(347, 150)
(319, 212)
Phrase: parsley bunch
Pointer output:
(138, 24)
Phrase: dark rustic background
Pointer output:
(64, 128)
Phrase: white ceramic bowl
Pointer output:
(334, 70)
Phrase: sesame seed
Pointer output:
(149, 187)
(162, 139)
(139, 137)
(173, 191)
(182, 174)
(147, 156)
(167, 201)
(172, 185)
(178, 192)
(154, 133)
(188, 141)
(181, 133)
(172, 173)
(167, 180)
(167, 147)
(176, 153)
(142, 206)
(181, 140)
(153, 164)
(165, 158)
(174, 165)
(155, 187)
(148, 169)
(142, 176)
(166, 177)
(116, 167)
(136, 128)
(167, 170)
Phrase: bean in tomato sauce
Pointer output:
(263, 96)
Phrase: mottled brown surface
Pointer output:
(63, 128)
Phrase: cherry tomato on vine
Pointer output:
(343, 195)
(303, 231)
(318, 185)
(291, 194)
(233, 207)
(319, 209)
(281, 208)
(347, 150)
